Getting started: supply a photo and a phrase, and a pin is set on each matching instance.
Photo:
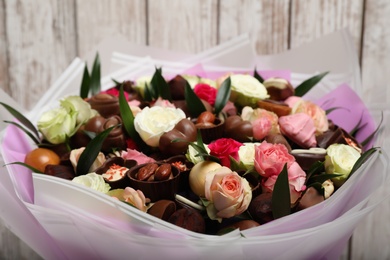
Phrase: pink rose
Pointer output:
(271, 158)
(228, 193)
(314, 111)
(252, 115)
(163, 103)
(296, 179)
(131, 154)
(135, 198)
(261, 128)
(206, 92)
(224, 148)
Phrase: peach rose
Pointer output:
(314, 111)
(296, 179)
(228, 193)
(253, 115)
(135, 198)
(271, 158)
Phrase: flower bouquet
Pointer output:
(182, 163)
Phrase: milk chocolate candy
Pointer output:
(238, 129)
(310, 198)
(307, 157)
(278, 139)
(279, 89)
(106, 104)
(177, 87)
(163, 209)
(279, 108)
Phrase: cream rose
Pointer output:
(93, 181)
(253, 115)
(191, 154)
(75, 156)
(135, 198)
(228, 193)
(246, 90)
(152, 122)
(57, 125)
(339, 159)
(246, 154)
(83, 108)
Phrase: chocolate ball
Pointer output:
(260, 208)
(189, 219)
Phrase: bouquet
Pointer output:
(226, 157)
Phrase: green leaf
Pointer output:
(117, 83)
(328, 111)
(128, 120)
(27, 166)
(194, 104)
(308, 84)
(281, 205)
(85, 83)
(148, 93)
(160, 86)
(362, 159)
(22, 119)
(91, 151)
(95, 76)
(36, 141)
(316, 167)
(318, 186)
(257, 76)
(369, 138)
(223, 95)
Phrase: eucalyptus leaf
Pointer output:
(95, 76)
(27, 166)
(308, 84)
(22, 119)
(223, 96)
(257, 76)
(281, 202)
(88, 156)
(28, 133)
(194, 104)
(128, 120)
(85, 83)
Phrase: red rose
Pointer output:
(224, 148)
(206, 92)
(115, 92)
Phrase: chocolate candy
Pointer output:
(106, 104)
(278, 139)
(177, 87)
(307, 157)
(185, 130)
(163, 209)
(260, 208)
(279, 89)
(310, 198)
(189, 219)
(238, 129)
(279, 108)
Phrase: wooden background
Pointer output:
(39, 39)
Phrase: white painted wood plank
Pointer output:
(266, 23)
(40, 40)
(311, 19)
(372, 238)
(97, 20)
(189, 26)
(3, 52)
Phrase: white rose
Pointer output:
(340, 159)
(246, 154)
(191, 154)
(57, 125)
(246, 90)
(141, 83)
(93, 181)
(83, 108)
(152, 122)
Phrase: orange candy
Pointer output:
(40, 157)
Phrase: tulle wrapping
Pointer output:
(75, 222)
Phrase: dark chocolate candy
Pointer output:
(163, 209)
(260, 208)
(189, 219)
(238, 129)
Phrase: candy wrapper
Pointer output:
(73, 221)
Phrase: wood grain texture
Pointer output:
(371, 238)
(97, 20)
(3, 50)
(189, 26)
(311, 19)
(41, 44)
(265, 22)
